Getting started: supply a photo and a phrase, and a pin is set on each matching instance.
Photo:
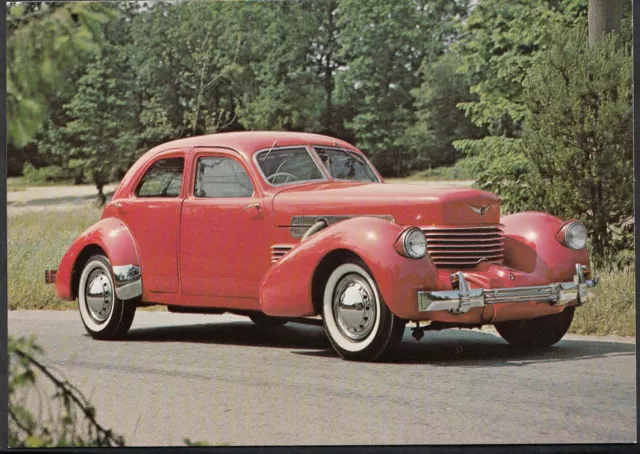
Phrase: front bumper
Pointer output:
(464, 298)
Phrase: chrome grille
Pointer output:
(300, 224)
(465, 247)
(278, 250)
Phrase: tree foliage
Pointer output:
(385, 44)
(439, 122)
(577, 136)
(44, 40)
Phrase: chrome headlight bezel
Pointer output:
(573, 235)
(407, 241)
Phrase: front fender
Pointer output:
(113, 237)
(531, 246)
(286, 289)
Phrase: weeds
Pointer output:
(614, 311)
(37, 241)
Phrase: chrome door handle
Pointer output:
(252, 205)
(117, 204)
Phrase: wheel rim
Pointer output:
(99, 295)
(354, 307)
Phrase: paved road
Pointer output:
(221, 379)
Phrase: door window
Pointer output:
(162, 179)
(221, 177)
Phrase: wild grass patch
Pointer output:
(614, 311)
(36, 241)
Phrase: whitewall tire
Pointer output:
(103, 314)
(356, 319)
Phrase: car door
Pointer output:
(223, 249)
(152, 214)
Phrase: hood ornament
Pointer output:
(480, 210)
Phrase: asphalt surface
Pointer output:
(221, 379)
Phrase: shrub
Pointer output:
(577, 137)
(46, 174)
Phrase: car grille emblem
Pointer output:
(480, 210)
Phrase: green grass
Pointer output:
(37, 241)
(614, 310)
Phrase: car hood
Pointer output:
(408, 204)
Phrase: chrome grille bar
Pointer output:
(465, 246)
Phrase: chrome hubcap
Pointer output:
(99, 295)
(354, 307)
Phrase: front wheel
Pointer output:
(358, 323)
(537, 332)
(103, 314)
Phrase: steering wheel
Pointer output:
(278, 174)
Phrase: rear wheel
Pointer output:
(358, 323)
(262, 319)
(537, 332)
(103, 314)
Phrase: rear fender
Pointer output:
(286, 289)
(112, 237)
(531, 246)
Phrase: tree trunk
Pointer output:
(604, 17)
(102, 199)
(328, 71)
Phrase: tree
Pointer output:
(499, 44)
(101, 140)
(385, 43)
(439, 122)
(577, 136)
(284, 91)
(43, 42)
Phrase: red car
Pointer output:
(281, 225)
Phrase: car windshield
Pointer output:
(288, 165)
(345, 165)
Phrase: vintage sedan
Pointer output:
(282, 225)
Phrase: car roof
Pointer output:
(248, 142)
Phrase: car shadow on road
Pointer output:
(291, 336)
(474, 348)
(461, 348)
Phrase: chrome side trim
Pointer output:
(128, 280)
(300, 224)
(461, 300)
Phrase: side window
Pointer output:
(163, 179)
(221, 177)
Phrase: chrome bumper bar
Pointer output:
(464, 298)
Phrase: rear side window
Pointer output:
(222, 177)
(162, 179)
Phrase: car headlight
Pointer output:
(412, 243)
(573, 235)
